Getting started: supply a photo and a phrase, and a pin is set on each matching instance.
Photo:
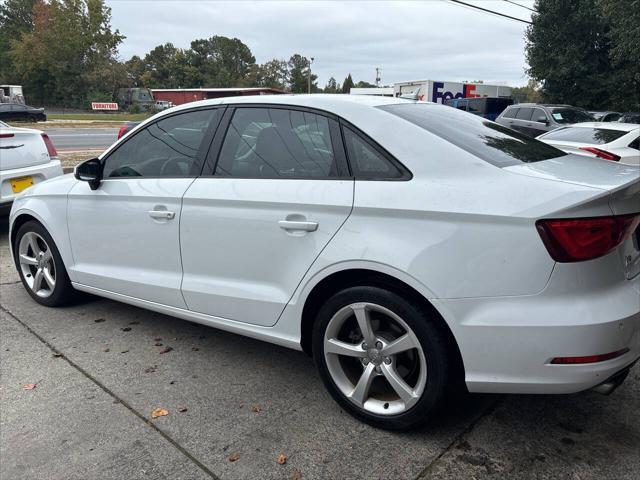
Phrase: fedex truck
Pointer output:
(439, 92)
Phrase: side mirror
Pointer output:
(89, 171)
(543, 119)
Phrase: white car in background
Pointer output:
(408, 247)
(27, 157)
(618, 142)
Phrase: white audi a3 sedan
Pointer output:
(408, 247)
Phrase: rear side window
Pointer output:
(596, 136)
(487, 140)
(278, 143)
(366, 161)
(635, 144)
(539, 115)
(510, 113)
(524, 114)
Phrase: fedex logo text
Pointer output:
(468, 91)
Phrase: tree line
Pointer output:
(65, 53)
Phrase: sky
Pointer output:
(415, 40)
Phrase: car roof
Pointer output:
(330, 102)
(625, 127)
(551, 105)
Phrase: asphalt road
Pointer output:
(72, 139)
(99, 372)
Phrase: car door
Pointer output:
(539, 122)
(278, 189)
(522, 120)
(125, 234)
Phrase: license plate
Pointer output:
(19, 184)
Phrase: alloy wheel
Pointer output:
(36, 264)
(375, 359)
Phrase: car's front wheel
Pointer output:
(382, 357)
(40, 266)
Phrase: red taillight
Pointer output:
(6, 135)
(578, 239)
(588, 358)
(601, 153)
(50, 148)
(122, 131)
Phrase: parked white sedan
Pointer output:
(618, 142)
(409, 247)
(27, 157)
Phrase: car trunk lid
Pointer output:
(619, 187)
(22, 147)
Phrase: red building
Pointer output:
(178, 96)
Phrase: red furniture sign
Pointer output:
(104, 106)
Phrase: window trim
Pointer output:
(200, 156)
(213, 154)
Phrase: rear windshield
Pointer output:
(587, 135)
(487, 140)
(570, 115)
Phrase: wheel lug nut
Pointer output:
(378, 370)
(387, 360)
(365, 346)
(378, 345)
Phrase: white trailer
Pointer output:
(11, 94)
(438, 92)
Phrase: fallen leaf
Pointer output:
(296, 475)
(159, 412)
(134, 323)
(282, 459)
(182, 409)
(28, 386)
(124, 351)
(256, 408)
(195, 349)
(57, 355)
(172, 382)
(150, 369)
(157, 339)
(99, 320)
(234, 457)
(126, 329)
(166, 350)
(105, 350)
(158, 344)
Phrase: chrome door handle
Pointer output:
(162, 214)
(291, 225)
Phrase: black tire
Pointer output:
(430, 336)
(63, 293)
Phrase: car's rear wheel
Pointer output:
(40, 266)
(382, 357)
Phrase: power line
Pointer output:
(523, 6)
(486, 10)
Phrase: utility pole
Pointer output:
(309, 75)
(377, 76)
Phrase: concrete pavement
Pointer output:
(99, 373)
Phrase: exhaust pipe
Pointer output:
(608, 386)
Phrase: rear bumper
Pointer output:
(39, 173)
(507, 343)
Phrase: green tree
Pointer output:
(347, 85)
(70, 53)
(299, 75)
(624, 25)
(568, 50)
(219, 62)
(363, 84)
(273, 74)
(530, 93)
(16, 18)
(332, 86)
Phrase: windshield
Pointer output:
(487, 140)
(570, 115)
(596, 136)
